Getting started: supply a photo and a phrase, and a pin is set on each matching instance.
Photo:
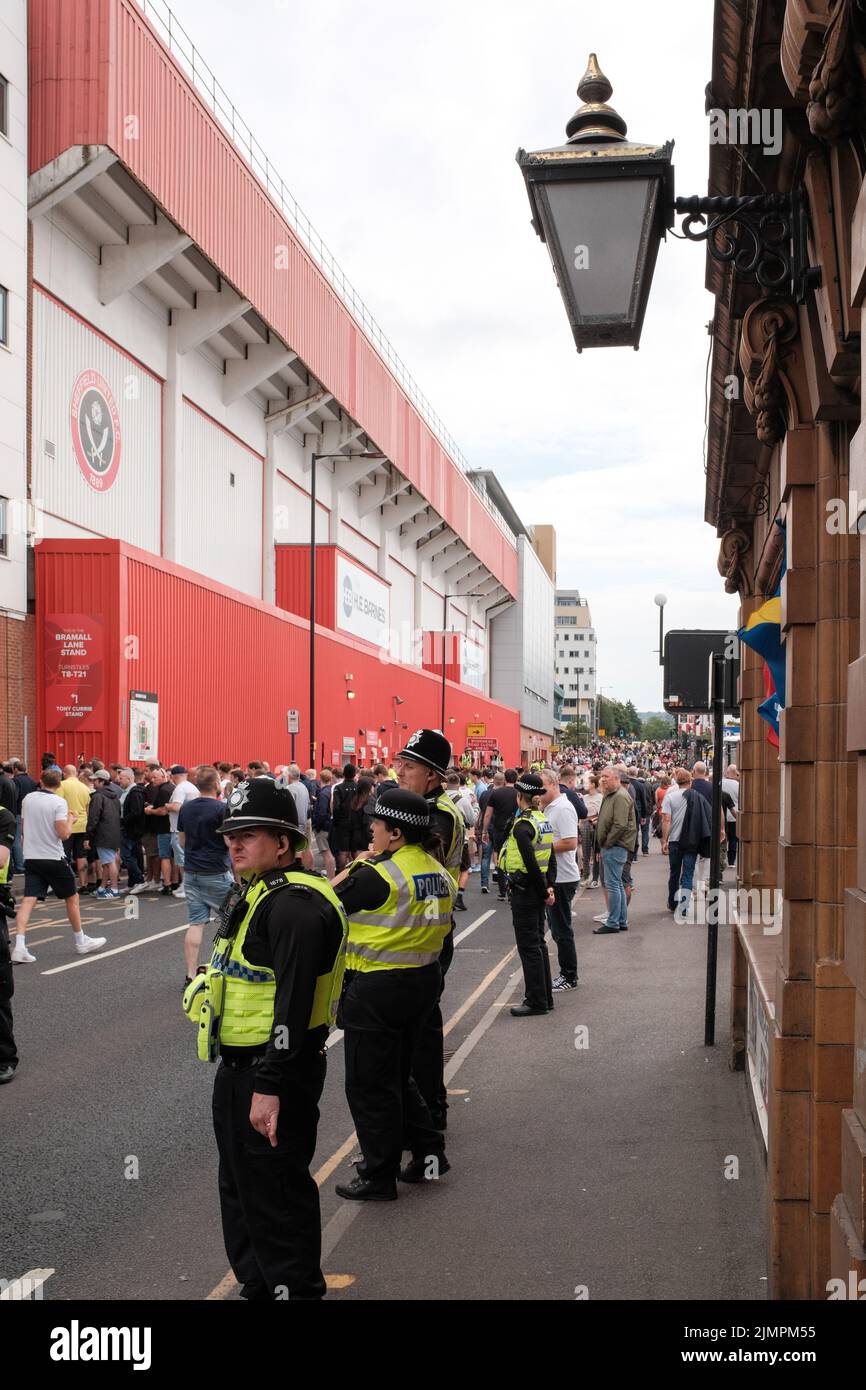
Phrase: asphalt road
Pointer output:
(595, 1168)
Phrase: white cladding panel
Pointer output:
(365, 551)
(13, 277)
(220, 534)
(403, 645)
(292, 515)
(123, 498)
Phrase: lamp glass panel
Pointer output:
(599, 226)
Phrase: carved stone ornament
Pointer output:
(837, 91)
(769, 324)
(732, 554)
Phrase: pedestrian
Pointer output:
(589, 850)
(77, 797)
(8, 790)
(104, 832)
(24, 785)
(360, 816)
(341, 812)
(564, 828)
(156, 810)
(500, 811)
(673, 814)
(497, 780)
(150, 840)
(399, 902)
(702, 785)
(132, 828)
(207, 869)
(695, 839)
(422, 767)
(8, 1050)
(531, 868)
(47, 825)
(270, 992)
(731, 786)
(301, 794)
(320, 816)
(183, 791)
(643, 808)
(457, 792)
(617, 834)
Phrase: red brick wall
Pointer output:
(18, 688)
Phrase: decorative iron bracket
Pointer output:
(769, 242)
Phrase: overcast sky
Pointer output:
(395, 125)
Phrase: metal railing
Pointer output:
(187, 56)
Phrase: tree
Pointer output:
(574, 733)
(659, 727)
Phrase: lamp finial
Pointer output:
(595, 120)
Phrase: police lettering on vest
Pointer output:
(408, 930)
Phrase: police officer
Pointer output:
(531, 868)
(399, 903)
(422, 767)
(265, 1004)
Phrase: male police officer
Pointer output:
(531, 868)
(399, 903)
(422, 767)
(265, 1003)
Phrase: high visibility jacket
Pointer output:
(4, 872)
(408, 930)
(454, 846)
(233, 1002)
(542, 842)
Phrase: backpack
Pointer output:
(341, 801)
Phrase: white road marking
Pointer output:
(467, 931)
(115, 951)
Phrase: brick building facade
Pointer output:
(787, 445)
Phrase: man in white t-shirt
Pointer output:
(674, 807)
(563, 822)
(184, 791)
(731, 785)
(46, 821)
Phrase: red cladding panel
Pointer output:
(99, 75)
(293, 581)
(226, 668)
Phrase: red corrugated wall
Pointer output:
(96, 64)
(227, 668)
(293, 581)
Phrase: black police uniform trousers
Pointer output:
(272, 1223)
(8, 1053)
(428, 1058)
(381, 1013)
(529, 919)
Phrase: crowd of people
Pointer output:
(334, 893)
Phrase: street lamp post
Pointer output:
(314, 459)
(445, 601)
(661, 600)
(602, 204)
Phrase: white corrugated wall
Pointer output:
(129, 510)
(220, 521)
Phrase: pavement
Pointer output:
(589, 1147)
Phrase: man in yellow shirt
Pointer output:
(77, 797)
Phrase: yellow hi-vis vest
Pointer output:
(4, 872)
(542, 842)
(408, 930)
(233, 1002)
(454, 847)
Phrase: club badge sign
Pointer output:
(95, 425)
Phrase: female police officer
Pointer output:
(399, 902)
(265, 1004)
(531, 868)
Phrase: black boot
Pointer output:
(362, 1190)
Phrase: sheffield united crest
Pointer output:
(95, 425)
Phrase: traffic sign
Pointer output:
(293, 719)
(476, 730)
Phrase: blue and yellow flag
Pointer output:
(763, 633)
